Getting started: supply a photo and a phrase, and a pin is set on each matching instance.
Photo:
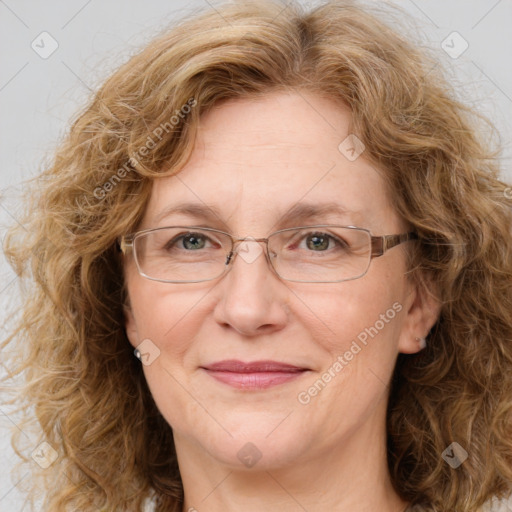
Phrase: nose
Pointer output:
(252, 298)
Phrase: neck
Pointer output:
(354, 476)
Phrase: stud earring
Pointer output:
(422, 342)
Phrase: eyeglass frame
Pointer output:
(379, 245)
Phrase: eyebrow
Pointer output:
(297, 213)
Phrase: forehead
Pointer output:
(256, 159)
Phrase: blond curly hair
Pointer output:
(83, 386)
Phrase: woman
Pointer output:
(293, 226)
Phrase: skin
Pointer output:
(328, 454)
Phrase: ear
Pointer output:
(422, 312)
(131, 326)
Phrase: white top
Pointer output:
(494, 505)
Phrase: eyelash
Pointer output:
(171, 243)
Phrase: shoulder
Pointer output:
(493, 505)
(498, 505)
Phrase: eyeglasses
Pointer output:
(321, 253)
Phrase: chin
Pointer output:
(258, 454)
(251, 444)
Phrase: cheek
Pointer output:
(360, 310)
(170, 320)
(169, 315)
(357, 335)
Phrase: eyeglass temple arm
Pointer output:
(380, 244)
(124, 243)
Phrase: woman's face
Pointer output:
(253, 161)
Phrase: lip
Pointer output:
(253, 375)
(236, 366)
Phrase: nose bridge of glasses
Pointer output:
(238, 241)
(248, 252)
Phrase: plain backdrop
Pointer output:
(40, 92)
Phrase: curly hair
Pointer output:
(82, 386)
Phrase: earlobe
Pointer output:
(130, 326)
(422, 314)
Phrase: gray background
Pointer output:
(38, 96)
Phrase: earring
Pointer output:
(422, 342)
